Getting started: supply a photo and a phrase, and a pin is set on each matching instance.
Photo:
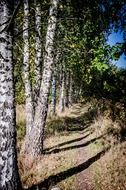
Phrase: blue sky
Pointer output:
(113, 38)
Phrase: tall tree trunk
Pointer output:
(53, 103)
(35, 141)
(38, 49)
(9, 177)
(54, 84)
(29, 109)
(70, 89)
(62, 91)
(67, 89)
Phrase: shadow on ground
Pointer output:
(57, 150)
(66, 143)
(54, 179)
(80, 122)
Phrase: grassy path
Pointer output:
(68, 157)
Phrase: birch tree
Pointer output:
(34, 145)
(70, 89)
(29, 109)
(54, 84)
(67, 89)
(62, 90)
(53, 103)
(38, 48)
(9, 177)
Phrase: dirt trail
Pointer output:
(83, 178)
(68, 157)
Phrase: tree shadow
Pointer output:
(67, 142)
(83, 121)
(57, 150)
(71, 124)
(76, 127)
(54, 179)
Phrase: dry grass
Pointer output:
(76, 110)
(33, 172)
(113, 130)
(20, 114)
(109, 173)
(55, 124)
(47, 165)
(20, 122)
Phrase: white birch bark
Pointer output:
(29, 109)
(54, 85)
(70, 89)
(53, 103)
(67, 89)
(9, 177)
(38, 49)
(62, 91)
(34, 145)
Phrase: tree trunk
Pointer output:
(38, 49)
(9, 177)
(67, 89)
(70, 89)
(53, 103)
(54, 85)
(29, 109)
(35, 141)
(62, 91)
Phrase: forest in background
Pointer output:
(54, 59)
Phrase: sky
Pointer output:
(113, 38)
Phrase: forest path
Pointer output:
(83, 179)
(68, 155)
(84, 117)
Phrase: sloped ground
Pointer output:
(72, 155)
